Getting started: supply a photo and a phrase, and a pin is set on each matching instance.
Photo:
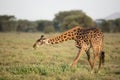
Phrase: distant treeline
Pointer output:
(62, 21)
(109, 25)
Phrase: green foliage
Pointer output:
(8, 26)
(7, 23)
(62, 22)
(49, 29)
(117, 25)
(105, 26)
(67, 19)
(110, 25)
(26, 26)
(7, 18)
(45, 26)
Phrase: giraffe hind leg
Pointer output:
(89, 59)
(96, 53)
(94, 62)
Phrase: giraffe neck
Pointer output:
(68, 35)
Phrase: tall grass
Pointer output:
(19, 61)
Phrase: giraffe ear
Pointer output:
(42, 36)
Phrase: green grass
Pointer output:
(19, 61)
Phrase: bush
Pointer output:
(49, 29)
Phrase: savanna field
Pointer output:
(19, 61)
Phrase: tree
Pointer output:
(45, 26)
(67, 19)
(109, 25)
(26, 26)
(8, 23)
(7, 18)
(49, 29)
(105, 26)
(117, 25)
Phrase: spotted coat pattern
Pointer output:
(84, 40)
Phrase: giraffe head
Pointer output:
(42, 40)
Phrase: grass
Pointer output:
(19, 61)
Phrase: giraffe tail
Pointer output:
(102, 57)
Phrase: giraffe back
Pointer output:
(89, 36)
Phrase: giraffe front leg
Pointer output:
(77, 58)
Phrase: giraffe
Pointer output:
(84, 40)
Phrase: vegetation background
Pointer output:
(63, 21)
(19, 61)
